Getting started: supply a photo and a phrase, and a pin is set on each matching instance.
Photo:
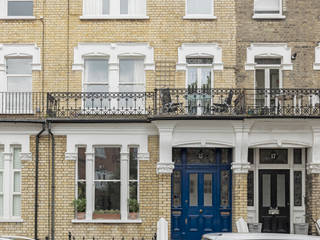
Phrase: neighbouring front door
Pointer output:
(274, 200)
(201, 192)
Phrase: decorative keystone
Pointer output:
(165, 168)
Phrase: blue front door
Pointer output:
(201, 192)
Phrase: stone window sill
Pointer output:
(11, 220)
(107, 221)
(117, 17)
(200, 17)
(268, 16)
(18, 18)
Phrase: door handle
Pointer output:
(200, 210)
(186, 221)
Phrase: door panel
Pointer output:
(274, 198)
(201, 192)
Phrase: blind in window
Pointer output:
(267, 6)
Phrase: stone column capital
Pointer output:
(7, 156)
(313, 168)
(89, 156)
(238, 167)
(165, 168)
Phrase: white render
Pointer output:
(269, 50)
(207, 50)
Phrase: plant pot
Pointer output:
(81, 215)
(133, 215)
(106, 215)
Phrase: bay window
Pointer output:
(110, 190)
(114, 8)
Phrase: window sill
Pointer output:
(117, 17)
(204, 17)
(268, 16)
(11, 220)
(18, 18)
(107, 221)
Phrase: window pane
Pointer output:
(297, 188)
(131, 70)
(225, 182)
(274, 78)
(274, 156)
(1, 182)
(205, 78)
(192, 78)
(124, 7)
(176, 155)
(96, 70)
(225, 155)
(250, 156)
(297, 153)
(207, 197)
(133, 200)
(199, 6)
(17, 179)
(107, 199)
(272, 61)
(201, 155)
(105, 7)
(20, 8)
(133, 163)
(281, 190)
(267, 6)
(81, 163)
(107, 163)
(81, 190)
(1, 158)
(19, 66)
(193, 189)
(176, 189)
(16, 158)
(266, 193)
(131, 88)
(1, 205)
(16, 205)
(199, 60)
(96, 88)
(250, 189)
(19, 84)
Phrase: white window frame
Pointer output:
(316, 65)
(114, 11)
(4, 10)
(269, 15)
(124, 184)
(200, 16)
(8, 188)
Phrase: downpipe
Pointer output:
(52, 181)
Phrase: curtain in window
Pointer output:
(199, 6)
(131, 75)
(267, 6)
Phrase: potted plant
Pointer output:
(80, 207)
(133, 208)
(106, 214)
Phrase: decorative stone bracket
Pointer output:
(71, 156)
(165, 168)
(27, 156)
(313, 168)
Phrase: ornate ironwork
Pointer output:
(187, 102)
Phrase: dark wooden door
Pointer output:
(274, 200)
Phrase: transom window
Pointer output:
(113, 193)
(199, 7)
(20, 7)
(114, 8)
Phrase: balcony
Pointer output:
(22, 105)
(185, 103)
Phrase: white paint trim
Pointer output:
(113, 51)
(20, 50)
(204, 17)
(269, 50)
(268, 16)
(107, 221)
(18, 18)
(200, 16)
(211, 50)
(11, 220)
(120, 17)
(165, 168)
(71, 156)
(316, 65)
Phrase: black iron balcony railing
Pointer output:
(29, 104)
(185, 102)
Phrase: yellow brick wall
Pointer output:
(239, 198)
